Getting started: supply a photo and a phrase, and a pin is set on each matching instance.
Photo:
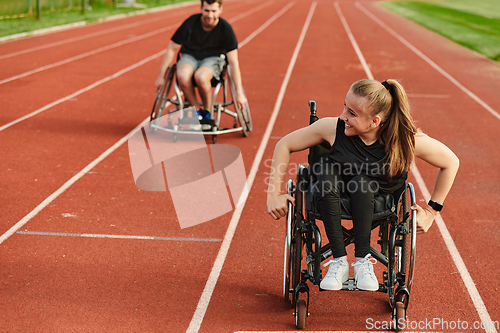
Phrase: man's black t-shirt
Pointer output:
(202, 44)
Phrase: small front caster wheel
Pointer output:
(301, 314)
(400, 317)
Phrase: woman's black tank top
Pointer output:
(353, 157)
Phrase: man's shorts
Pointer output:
(216, 64)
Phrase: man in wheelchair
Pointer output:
(204, 41)
(373, 144)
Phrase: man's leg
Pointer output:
(209, 68)
(203, 77)
(185, 78)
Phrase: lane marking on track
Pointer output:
(81, 91)
(353, 41)
(450, 244)
(428, 96)
(204, 301)
(64, 234)
(457, 259)
(125, 70)
(429, 61)
(249, 12)
(68, 184)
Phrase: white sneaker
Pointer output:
(338, 273)
(364, 274)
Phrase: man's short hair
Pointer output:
(211, 2)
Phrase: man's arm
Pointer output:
(172, 50)
(232, 59)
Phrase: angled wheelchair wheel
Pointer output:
(162, 94)
(244, 117)
(402, 247)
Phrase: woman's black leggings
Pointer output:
(361, 190)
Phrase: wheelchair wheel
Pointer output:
(244, 116)
(298, 238)
(402, 246)
(286, 271)
(293, 257)
(399, 315)
(288, 254)
(162, 94)
(301, 314)
(292, 263)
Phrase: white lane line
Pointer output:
(266, 24)
(68, 184)
(250, 12)
(457, 259)
(353, 41)
(428, 96)
(43, 31)
(429, 61)
(450, 244)
(123, 71)
(81, 91)
(204, 301)
(65, 234)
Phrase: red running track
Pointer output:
(70, 99)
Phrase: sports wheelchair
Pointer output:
(397, 231)
(186, 121)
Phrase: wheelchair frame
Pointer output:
(242, 117)
(397, 233)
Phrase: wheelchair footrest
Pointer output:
(350, 285)
(195, 124)
(210, 122)
(189, 121)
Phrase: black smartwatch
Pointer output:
(437, 207)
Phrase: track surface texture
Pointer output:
(71, 99)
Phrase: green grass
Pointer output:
(100, 9)
(472, 23)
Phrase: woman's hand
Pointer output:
(277, 204)
(425, 217)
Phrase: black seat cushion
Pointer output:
(383, 208)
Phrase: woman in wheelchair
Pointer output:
(373, 144)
